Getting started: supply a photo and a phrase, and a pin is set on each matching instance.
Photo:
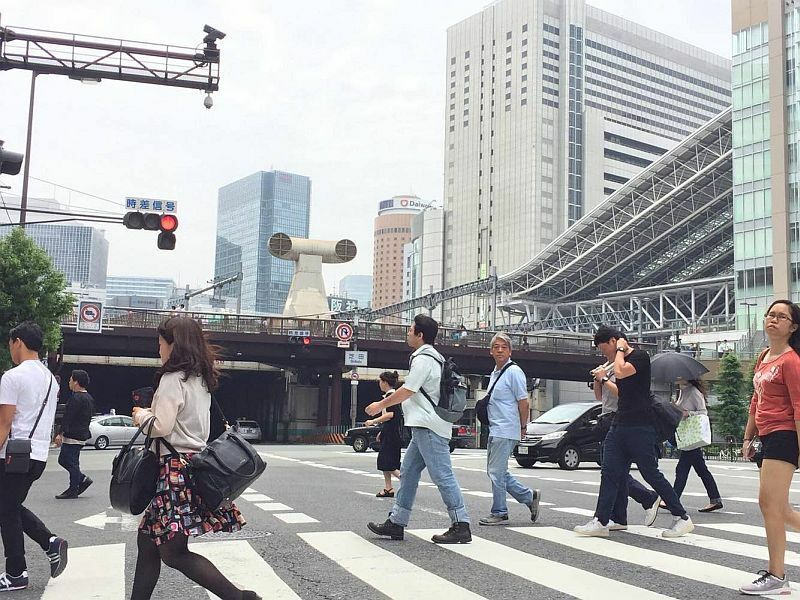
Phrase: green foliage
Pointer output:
(731, 412)
(30, 289)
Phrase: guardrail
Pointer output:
(324, 328)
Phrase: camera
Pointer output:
(143, 397)
(212, 34)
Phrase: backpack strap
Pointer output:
(441, 364)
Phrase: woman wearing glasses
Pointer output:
(775, 418)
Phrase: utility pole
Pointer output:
(354, 382)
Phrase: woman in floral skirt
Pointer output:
(180, 414)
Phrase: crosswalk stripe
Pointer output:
(572, 510)
(238, 561)
(753, 530)
(93, 572)
(376, 566)
(686, 568)
(716, 544)
(556, 576)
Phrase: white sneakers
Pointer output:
(651, 513)
(616, 526)
(679, 527)
(593, 528)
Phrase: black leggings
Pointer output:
(175, 553)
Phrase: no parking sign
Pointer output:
(90, 317)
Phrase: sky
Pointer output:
(348, 92)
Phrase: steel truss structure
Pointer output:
(95, 58)
(672, 223)
(689, 307)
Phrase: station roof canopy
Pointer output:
(671, 223)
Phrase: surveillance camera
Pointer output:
(209, 101)
(213, 34)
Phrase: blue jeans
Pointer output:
(70, 459)
(499, 449)
(639, 493)
(432, 451)
(624, 445)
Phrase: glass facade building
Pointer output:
(78, 251)
(138, 291)
(766, 196)
(249, 211)
(358, 287)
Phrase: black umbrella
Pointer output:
(670, 366)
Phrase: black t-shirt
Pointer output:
(634, 392)
(77, 415)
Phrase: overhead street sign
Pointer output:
(298, 333)
(344, 332)
(90, 317)
(151, 205)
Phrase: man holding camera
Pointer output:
(27, 410)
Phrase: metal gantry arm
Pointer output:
(94, 58)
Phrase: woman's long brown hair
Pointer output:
(191, 353)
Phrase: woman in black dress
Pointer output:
(389, 437)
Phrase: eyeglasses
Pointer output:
(778, 317)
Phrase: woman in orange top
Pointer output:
(775, 418)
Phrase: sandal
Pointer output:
(386, 493)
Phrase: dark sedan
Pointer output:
(364, 437)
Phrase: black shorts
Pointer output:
(780, 445)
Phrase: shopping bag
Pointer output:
(693, 432)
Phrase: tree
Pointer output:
(731, 412)
(30, 289)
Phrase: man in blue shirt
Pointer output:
(508, 409)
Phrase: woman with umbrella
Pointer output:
(774, 417)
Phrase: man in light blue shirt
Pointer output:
(508, 409)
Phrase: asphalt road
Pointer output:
(307, 538)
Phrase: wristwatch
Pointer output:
(619, 349)
(604, 379)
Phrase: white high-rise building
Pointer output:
(551, 106)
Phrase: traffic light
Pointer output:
(166, 239)
(10, 162)
(166, 223)
(301, 340)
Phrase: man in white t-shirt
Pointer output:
(430, 439)
(24, 390)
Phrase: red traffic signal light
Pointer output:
(306, 341)
(169, 223)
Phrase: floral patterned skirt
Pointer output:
(177, 508)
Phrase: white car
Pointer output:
(249, 430)
(112, 430)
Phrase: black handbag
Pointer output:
(225, 468)
(18, 450)
(134, 473)
(666, 417)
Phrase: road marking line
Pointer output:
(297, 517)
(271, 506)
(743, 529)
(246, 568)
(687, 568)
(378, 567)
(256, 498)
(717, 544)
(94, 572)
(479, 494)
(575, 511)
(556, 576)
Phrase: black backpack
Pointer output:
(452, 391)
(666, 417)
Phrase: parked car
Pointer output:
(565, 434)
(111, 430)
(363, 438)
(249, 430)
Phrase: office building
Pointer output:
(249, 211)
(392, 232)
(423, 256)
(552, 106)
(766, 125)
(358, 287)
(80, 252)
(139, 292)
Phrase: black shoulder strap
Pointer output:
(44, 403)
(221, 414)
(441, 364)
(494, 383)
